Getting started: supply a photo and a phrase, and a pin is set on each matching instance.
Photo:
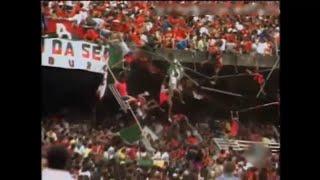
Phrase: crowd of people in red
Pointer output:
(183, 151)
(138, 23)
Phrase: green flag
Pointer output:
(145, 162)
(116, 55)
(130, 134)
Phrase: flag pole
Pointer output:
(112, 74)
(221, 91)
(135, 118)
(269, 75)
(117, 63)
(130, 109)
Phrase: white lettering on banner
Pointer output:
(70, 54)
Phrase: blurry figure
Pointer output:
(57, 157)
(175, 73)
(256, 155)
(228, 172)
(121, 86)
(259, 78)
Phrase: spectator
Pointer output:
(138, 23)
(228, 172)
(57, 157)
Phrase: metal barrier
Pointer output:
(193, 56)
(240, 145)
(229, 58)
(124, 106)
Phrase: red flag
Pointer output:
(74, 30)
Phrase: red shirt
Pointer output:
(179, 34)
(174, 143)
(125, 28)
(247, 46)
(61, 13)
(116, 26)
(164, 98)
(136, 39)
(65, 142)
(132, 153)
(91, 35)
(234, 128)
(230, 37)
(259, 78)
(192, 140)
(172, 20)
(129, 58)
(178, 154)
(97, 149)
(75, 10)
(122, 88)
(140, 20)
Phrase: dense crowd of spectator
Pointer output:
(183, 151)
(138, 23)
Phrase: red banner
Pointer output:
(72, 28)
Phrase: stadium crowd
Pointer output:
(183, 151)
(138, 23)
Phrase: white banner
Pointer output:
(71, 54)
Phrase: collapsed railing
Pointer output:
(241, 145)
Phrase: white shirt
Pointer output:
(157, 156)
(85, 4)
(84, 14)
(204, 30)
(195, 18)
(210, 18)
(55, 174)
(144, 38)
(165, 156)
(149, 26)
(52, 135)
(239, 26)
(211, 42)
(259, 31)
(79, 17)
(200, 45)
(85, 173)
(51, 4)
(99, 21)
(261, 48)
(124, 47)
(223, 46)
(158, 128)
(69, 3)
(82, 150)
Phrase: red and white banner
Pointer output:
(77, 31)
(71, 54)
